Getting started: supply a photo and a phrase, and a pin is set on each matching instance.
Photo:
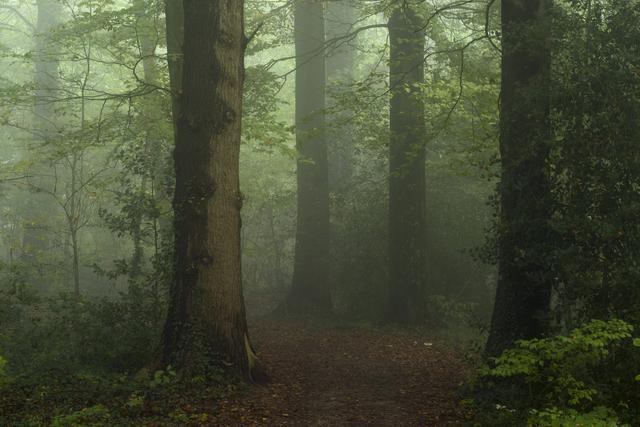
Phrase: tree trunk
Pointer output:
(340, 19)
(524, 282)
(407, 192)
(147, 33)
(46, 80)
(310, 288)
(75, 263)
(73, 217)
(46, 66)
(206, 327)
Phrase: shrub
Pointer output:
(567, 380)
(97, 415)
(3, 372)
(71, 333)
(636, 343)
(598, 417)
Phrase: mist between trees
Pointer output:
(177, 174)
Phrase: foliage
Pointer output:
(599, 416)
(594, 164)
(64, 399)
(77, 333)
(96, 415)
(163, 377)
(636, 342)
(564, 379)
(3, 370)
(451, 312)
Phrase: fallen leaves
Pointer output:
(340, 377)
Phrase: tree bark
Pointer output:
(524, 283)
(310, 288)
(206, 329)
(407, 192)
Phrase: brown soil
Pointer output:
(329, 376)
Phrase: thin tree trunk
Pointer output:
(175, 39)
(147, 37)
(524, 282)
(73, 217)
(75, 263)
(310, 288)
(407, 192)
(206, 325)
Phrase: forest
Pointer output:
(320, 213)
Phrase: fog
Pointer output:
(359, 205)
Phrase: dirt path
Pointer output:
(349, 377)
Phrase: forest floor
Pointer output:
(344, 376)
(321, 374)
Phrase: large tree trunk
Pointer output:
(206, 324)
(407, 192)
(524, 283)
(310, 288)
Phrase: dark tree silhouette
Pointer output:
(524, 283)
(407, 192)
(310, 288)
